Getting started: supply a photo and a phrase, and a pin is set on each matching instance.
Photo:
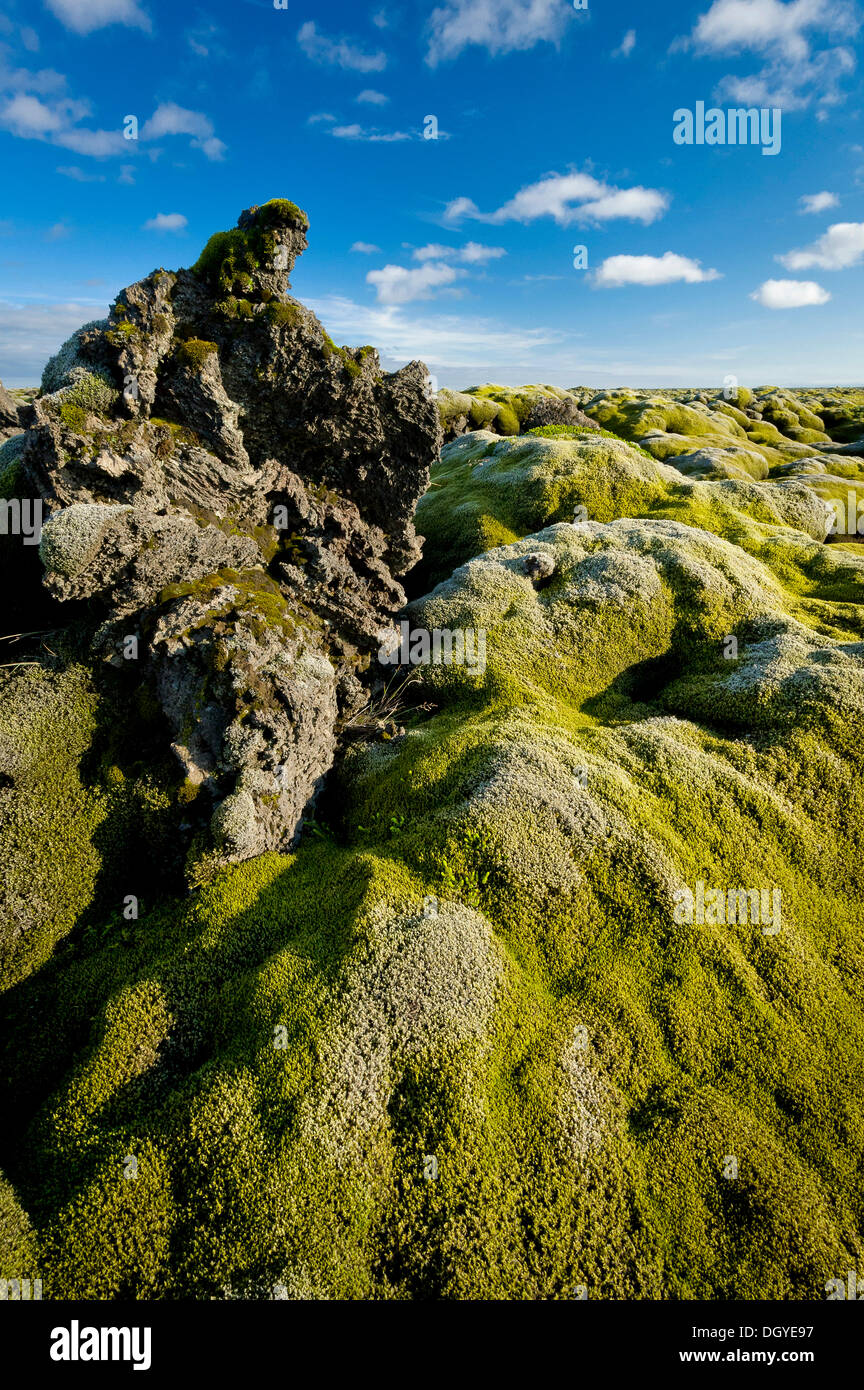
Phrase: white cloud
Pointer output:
(396, 284)
(321, 117)
(446, 342)
(171, 119)
(626, 46)
(783, 34)
(83, 16)
(840, 247)
(790, 294)
(372, 98)
(793, 85)
(472, 253)
(37, 108)
(556, 195)
(500, 26)
(365, 248)
(166, 222)
(818, 202)
(651, 270)
(475, 253)
(58, 232)
(433, 252)
(359, 132)
(30, 118)
(339, 53)
(380, 20)
(762, 26)
(636, 204)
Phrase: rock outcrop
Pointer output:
(234, 494)
(10, 414)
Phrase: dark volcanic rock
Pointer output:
(550, 410)
(235, 493)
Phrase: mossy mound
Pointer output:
(501, 409)
(486, 492)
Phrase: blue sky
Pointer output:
(555, 130)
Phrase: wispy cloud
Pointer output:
(365, 248)
(616, 271)
(785, 36)
(499, 26)
(359, 132)
(340, 53)
(36, 106)
(71, 171)
(84, 16)
(171, 119)
(372, 98)
(568, 198)
(28, 117)
(626, 46)
(445, 342)
(207, 41)
(818, 202)
(472, 253)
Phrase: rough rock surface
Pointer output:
(235, 493)
(10, 415)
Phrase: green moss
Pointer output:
(579, 432)
(18, 1247)
(226, 257)
(289, 315)
(74, 416)
(278, 212)
(230, 259)
(10, 464)
(194, 352)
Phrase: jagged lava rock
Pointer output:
(237, 492)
